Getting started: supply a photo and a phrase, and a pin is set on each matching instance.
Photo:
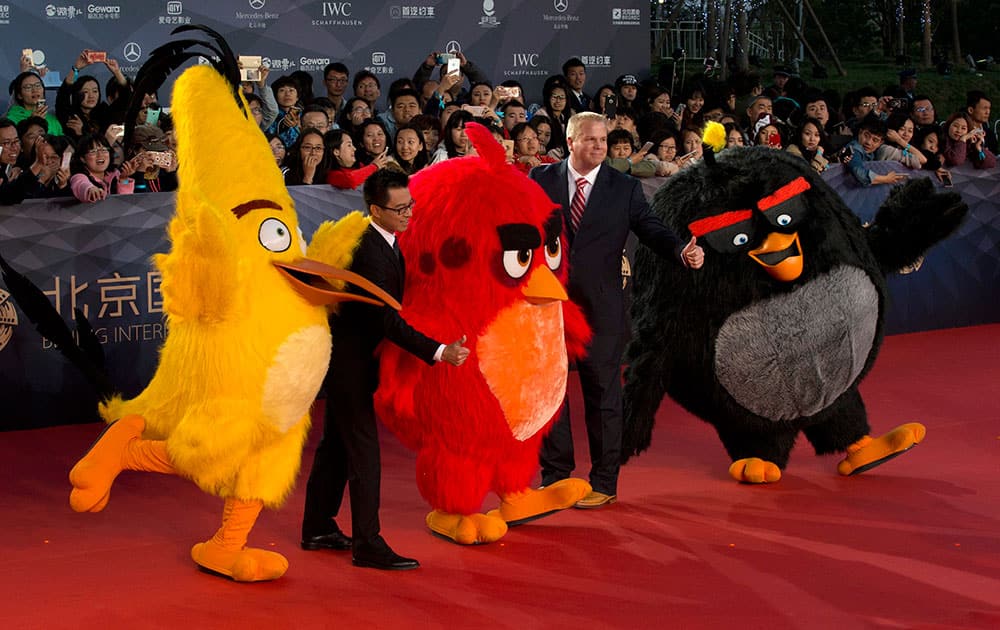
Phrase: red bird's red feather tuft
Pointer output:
(486, 145)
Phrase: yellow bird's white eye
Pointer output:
(553, 253)
(275, 235)
(516, 262)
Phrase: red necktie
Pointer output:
(576, 208)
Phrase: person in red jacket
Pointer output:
(344, 172)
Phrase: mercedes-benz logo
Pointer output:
(453, 47)
(132, 52)
(257, 5)
(560, 5)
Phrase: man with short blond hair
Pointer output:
(600, 206)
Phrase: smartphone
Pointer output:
(250, 67)
(96, 56)
(117, 131)
(444, 58)
(161, 158)
(610, 106)
(646, 147)
(680, 109)
(686, 156)
(41, 103)
(29, 54)
(67, 156)
(507, 93)
(453, 65)
(946, 180)
(476, 110)
(152, 114)
(508, 147)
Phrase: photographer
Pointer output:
(977, 110)
(962, 143)
(154, 163)
(28, 93)
(456, 88)
(78, 102)
(287, 124)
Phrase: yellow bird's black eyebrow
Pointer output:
(254, 204)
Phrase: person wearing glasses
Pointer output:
(556, 106)
(527, 149)
(28, 93)
(16, 183)
(307, 159)
(923, 115)
(94, 173)
(349, 448)
(335, 77)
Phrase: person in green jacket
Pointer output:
(28, 94)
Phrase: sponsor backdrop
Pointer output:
(524, 40)
(95, 257)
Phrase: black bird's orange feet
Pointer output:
(869, 452)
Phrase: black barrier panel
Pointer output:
(96, 257)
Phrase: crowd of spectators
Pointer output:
(329, 137)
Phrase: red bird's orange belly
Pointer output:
(522, 357)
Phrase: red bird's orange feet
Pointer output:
(243, 565)
(94, 474)
(467, 529)
(529, 505)
(869, 452)
(754, 470)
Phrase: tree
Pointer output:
(956, 50)
(926, 42)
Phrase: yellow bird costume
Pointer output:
(248, 342)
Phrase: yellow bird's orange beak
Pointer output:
(543, 287)
(311, 279)
(780, 255)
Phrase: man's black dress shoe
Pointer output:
(377, 554)
(335, 540)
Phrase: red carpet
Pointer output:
(912, 544)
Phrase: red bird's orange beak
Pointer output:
(543, 287)
(311, 279)
(780, 255)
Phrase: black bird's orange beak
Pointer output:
(780, 255)
(311, 279)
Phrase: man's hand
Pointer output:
(75, 124)
(693, 254)
(431, 61)
(455, 353)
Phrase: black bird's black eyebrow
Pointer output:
(518, 236)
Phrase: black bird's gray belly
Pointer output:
(792, 355)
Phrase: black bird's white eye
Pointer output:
(740, 239)
(553, 253)
(516, 262)
(784, 219)
(275, 235)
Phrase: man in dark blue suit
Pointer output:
(600, 207)
(349, 448)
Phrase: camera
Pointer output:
(899, 103)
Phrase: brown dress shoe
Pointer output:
(595, 500)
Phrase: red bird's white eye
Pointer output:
(553, 253)
(516, 262)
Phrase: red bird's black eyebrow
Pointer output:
(518, 236)
(795, 187)
(254, 204)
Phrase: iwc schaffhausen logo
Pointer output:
(8, 319)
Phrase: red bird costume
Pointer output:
(485, 256)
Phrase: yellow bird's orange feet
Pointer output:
(94, 474)
(467, 529)
(243, 565)
(754, 470)
(529, 505)
(869, 452)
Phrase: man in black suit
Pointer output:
(576, 76)
(600, 207)
(349, 449)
